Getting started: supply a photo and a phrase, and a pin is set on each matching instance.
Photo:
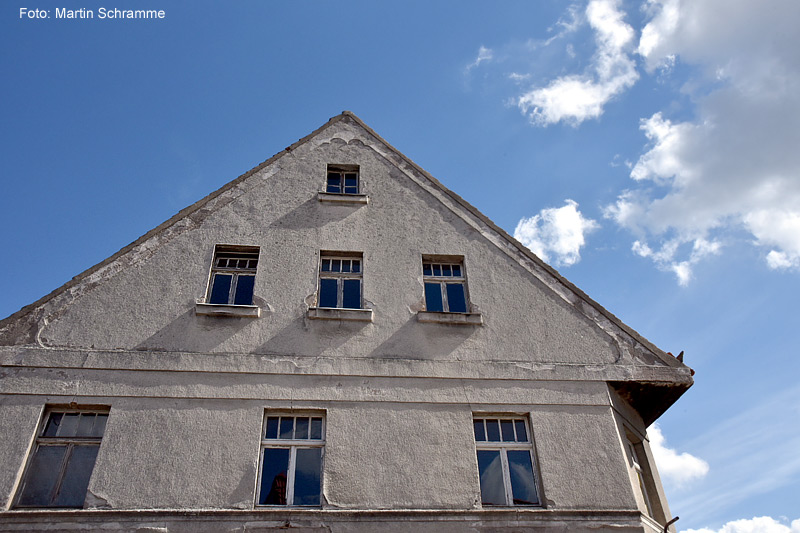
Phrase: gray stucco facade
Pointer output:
(187, 385)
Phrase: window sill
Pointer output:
(333, 313)
(467, 319)
(238, 311)
(336, 198)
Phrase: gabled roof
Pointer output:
(659, 391)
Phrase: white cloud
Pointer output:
(675, 468)
(578, 97)
(760, 524)
(665, 256)
(484, 54)
(556, 233)
(735, 166)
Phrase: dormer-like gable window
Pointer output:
(342, 179)
(233, 275)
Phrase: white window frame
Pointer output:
(340, 277)
(442, 281)
(69, 441)
(293, 445)
(634, 449)
(221, 251)
(342, 170)
(503, 447)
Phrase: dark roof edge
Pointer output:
(671, 361)
(186, 211)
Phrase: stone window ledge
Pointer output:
(237, 311)
(332, 313)
(467, 319)
(349, 199)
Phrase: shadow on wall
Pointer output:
(311, 337)
(312, 214)
(416, 340)
(192, 333)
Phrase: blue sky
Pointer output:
(647, 149)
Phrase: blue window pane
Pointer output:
(316, 428)
(287, 427)
(336, 265)
(41, 477)
(301, 428)
(273, 476)
(433, 297)
(522, 433)
(334, 183)
(507, 429)
(437, 270)
(457, 270)
(326, 265)
(480, 433)
(446, 270)
(490, 471)
(356, 265)
(345, 266)
(221, 289)
(523, 485)
(327, 292)
(272, 427)
(308, 464)
(351, 299)
(351, 184)
(493, 430)
(456, 301)
(426, 269)
(69, 425)
(244, 290)
(76, 477)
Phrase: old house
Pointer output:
(333, 341)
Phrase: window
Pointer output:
(342, 179)
(58, 472)
(233, 275)
(340, 280)
(445, 286)
(291, 460)
(635, 451)
(505, 461)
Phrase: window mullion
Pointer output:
(443, 290)
(232, 293)
(290, 476)
(61, 471)
(506, 477)
(339, 292)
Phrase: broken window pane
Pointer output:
(76, 476)
(491, 476)
(308, 465)
(275, 465)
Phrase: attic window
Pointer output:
(342, 179)
(446, 295)
(233, 277)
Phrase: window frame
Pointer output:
(220, 252)
(342, 171)
(442, 281)
(634, 451)
(504, 447)
(71, 442)
(293, 445)
(341, 277)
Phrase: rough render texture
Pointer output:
(188, 392)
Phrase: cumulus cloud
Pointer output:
(484, 54)
(556, 234)
(675, 468)
(759, 524)
(578, 97)
(735, 166)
